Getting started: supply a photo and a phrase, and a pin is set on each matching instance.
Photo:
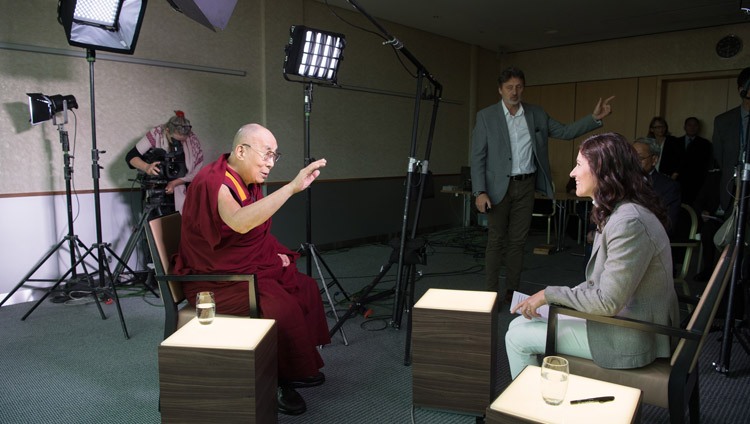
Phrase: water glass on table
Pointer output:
(205, 307)
(555, 373)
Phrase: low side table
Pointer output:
(222, 372)
(454, 345)
(522, 402)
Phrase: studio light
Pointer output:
(111, 25)
(313, 54)
(43, 108)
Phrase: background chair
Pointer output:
(684, 241)
(163, 235)
(544, 207)
(668, 383)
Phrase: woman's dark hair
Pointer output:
(620, 178)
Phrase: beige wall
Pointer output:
(363, 133)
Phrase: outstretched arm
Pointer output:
(244, 219)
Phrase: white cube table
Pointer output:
(222, 372)
(522, 402)
(454, 345)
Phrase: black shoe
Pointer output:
(312, 381)
(289, 402)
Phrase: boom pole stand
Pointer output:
(71, 239)
(406, 269)
(733, 328)
(414, 256)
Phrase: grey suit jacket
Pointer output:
(491, 152)
(629, 275)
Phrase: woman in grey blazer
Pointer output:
(629, 273)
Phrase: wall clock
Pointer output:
(728, 46)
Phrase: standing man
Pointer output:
(729, 138)
(226, 229)
(509, 161)
(695, 160)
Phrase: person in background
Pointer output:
(668, 162)
(696, 159)
(226, 229)
(629, 274)
(509, 162)
(170, 152)
(729, 142)
(667, 189)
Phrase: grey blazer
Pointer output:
(629, 275)
(491, 153)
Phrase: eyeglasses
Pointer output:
(267, 155)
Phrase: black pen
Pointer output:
(600, 399)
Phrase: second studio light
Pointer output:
(43, 108)
(110, 25)
(313, 54)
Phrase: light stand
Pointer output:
(738, 281)
(410, 250)
(101, 247)
(51, 105)
(314, 54)
(110, 25)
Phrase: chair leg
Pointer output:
(549, 226)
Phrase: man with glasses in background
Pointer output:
(226, 229)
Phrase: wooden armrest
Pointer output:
(206, 277)
(555, 310)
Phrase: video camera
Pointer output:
(171, 165)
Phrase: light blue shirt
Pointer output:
(522, 156)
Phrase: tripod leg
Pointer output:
(34, 269)
(314, 256)
(334, 280)
(114, 292)
(409, 304)
(80, 260)
(359, 303)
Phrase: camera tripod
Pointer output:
(135, 237)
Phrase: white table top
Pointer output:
(223, 333)
(523, 399)
(457, 300)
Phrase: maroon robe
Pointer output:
(209, 246)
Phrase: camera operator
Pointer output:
(170, 154)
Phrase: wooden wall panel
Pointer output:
(647, 105)
(624, 105)
(559, 103)
(703, 98)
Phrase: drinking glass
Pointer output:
(555, 373)
(205, 307)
